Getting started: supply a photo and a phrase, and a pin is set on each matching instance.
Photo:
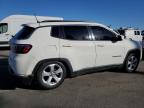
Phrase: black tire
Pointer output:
(131, 67)
(40, 78)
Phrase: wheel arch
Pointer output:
(136, 51)
(64, 61)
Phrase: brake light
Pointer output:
(21, 48)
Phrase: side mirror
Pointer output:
(115, 39)
(123, 36)
(119, 38)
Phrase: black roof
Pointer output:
(60, 21)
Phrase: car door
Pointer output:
(108, 52)
(77, 47)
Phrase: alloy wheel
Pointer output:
(52, 74)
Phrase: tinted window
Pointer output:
(102, 33)
(3, 28)
(76, 32)
(121, 32)
(137, 32)
(142, 33)
(55, 32)
(25, 33)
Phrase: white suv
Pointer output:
(50, 51)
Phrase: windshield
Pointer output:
(3, 28)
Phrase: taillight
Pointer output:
(21, 48)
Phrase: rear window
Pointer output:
(25, 33)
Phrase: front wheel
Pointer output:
(131, 63)
(51, 75)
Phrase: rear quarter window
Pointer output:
(25, 33)
(55, 31)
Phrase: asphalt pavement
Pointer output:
(106, 89)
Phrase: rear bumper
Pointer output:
(22, 65)
(13, 69)
(20, 79)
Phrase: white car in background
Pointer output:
(131, 33)
(10, 25)
(50, 51)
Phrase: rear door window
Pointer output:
(76, 33)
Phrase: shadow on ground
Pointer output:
(6, 81)
(117, 70)
(4, 48)
(9, 82)
(143, 55)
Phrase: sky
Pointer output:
(117, 13)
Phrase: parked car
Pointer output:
(10, 25)
(53, 50)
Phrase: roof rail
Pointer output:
(60, 21)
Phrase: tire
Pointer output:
(131, 63)
(51, 75)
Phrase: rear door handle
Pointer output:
(67, 46)
(7, 34)
(100, 45)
